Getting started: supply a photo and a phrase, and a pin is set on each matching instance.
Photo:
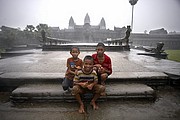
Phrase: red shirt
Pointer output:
(105, 64)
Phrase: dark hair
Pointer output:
(88, 57)
(74, 47)
(101, 44)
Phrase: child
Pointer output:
(86, 81)
(102, 63)
(73, 63)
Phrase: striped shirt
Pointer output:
(82, 77)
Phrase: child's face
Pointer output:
(100, 50)
(74, 52)
(88, 65)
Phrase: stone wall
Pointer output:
(10, 37)
(170, 41)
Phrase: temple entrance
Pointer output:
(87, 38)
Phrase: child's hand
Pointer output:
(76, 71)
(101, 70)
(95, 68)
(97, 65)
(90, 86)
(84, 85)
(78, 67)
(70, 72)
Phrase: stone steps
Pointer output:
(10, 81)
(54, 92)
(14, 79)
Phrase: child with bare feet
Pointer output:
(102, 63)
(86, 81)
(73, 64)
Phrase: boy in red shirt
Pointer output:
(102, 63)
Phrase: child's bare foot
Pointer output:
(95, 107)
(81, 109)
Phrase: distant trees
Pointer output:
(8, 36)
(33, 34)
(42, 27)
(30, 28)
(38, 28)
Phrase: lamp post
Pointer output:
(132, 2)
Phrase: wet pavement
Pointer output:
(55, 62)
(152, 63)
(166, 106)
(52, 64)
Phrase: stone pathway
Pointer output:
(42, 67)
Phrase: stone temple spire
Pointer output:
(87, 19)
(102, 24)
(71, 23)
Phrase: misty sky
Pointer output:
(148, 14)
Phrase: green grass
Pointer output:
(173, 55)
(1, 50)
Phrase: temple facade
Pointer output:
(90, 33)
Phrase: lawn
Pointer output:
(173, 55)
(1, 50)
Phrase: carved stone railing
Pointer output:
(117, 41)
(55, 41)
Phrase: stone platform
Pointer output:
(12, 80)
(132, 74)
(54, 92)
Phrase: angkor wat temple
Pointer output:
(87, 32)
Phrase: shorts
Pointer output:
(66, 84)
(97, 89)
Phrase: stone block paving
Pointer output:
(52, 64)
(55, 62)
(42, 65)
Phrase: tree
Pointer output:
(42, 27)
(30, 28)
(9, 35)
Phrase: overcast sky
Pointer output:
(148, 14)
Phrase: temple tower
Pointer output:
(87, 19)
(102, 24)
(71, 23)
